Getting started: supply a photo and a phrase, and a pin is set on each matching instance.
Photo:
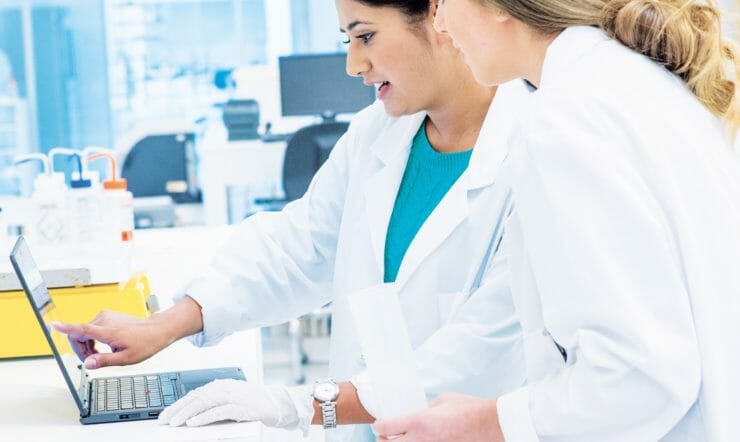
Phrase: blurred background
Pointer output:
(167, 76)
(197, 99)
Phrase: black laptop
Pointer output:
(114, 399)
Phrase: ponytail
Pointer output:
(682, 35)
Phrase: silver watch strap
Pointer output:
(329, 414)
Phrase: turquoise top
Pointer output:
(428, 176)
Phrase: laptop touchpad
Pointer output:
(190, 380)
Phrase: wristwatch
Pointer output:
(326, 391)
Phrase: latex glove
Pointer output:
(231, 400)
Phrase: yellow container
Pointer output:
(22, 336)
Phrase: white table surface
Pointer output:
(35, 404)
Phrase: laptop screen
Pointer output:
(46, 312)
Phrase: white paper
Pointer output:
(387, 351)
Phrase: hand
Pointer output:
(449, 417)
(241, 401)
(131, 339)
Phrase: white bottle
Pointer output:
(84, 202)
(48, 224)
(118, 216)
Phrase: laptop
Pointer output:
(112, 399)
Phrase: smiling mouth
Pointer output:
(383, 85)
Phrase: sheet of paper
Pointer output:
(387, 350)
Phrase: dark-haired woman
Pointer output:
(624, 242)
(403, 199)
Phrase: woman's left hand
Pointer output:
(449, 417)
(241, 401)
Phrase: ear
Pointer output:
(501, 16)
(433, 6)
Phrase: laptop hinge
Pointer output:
(84, 390)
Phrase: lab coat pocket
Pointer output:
(447, 304)
(542, 355)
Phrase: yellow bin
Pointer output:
(22, 336)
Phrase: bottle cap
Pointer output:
(119, 184)
(80, 184)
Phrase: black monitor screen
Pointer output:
(318, 84)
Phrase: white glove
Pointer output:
(228, 399)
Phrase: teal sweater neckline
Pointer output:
(428, 177)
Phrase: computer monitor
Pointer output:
(318, 84)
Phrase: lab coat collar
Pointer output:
(391, 148)
(492, 146)
(394, 140)
(566, 49)
(489, 153)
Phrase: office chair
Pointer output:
(306, 151)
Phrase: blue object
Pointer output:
(428, 176)
(80, 182)
(222, 78)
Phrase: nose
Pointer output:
(439, 19)
(357, 61)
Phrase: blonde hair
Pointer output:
(682, 35)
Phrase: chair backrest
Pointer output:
(162, 164)
(306, 151)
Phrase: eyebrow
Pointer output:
(353, 25)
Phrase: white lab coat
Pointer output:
(624, 247)
(330, 243)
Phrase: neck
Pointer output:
(537, 51)
(454, 124)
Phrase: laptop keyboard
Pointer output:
(128, 393)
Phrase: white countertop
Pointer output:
(36, 405)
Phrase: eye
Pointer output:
(346, 42)
(366, 37)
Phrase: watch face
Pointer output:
(325, 390)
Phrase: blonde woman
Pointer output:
(624, 243)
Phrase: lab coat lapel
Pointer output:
(489, 153)
(449, 213)
(391, 148)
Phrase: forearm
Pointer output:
(349, 408)
(181, 320)
(488, 421)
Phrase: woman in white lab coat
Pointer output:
(334, 240)
(624, 241)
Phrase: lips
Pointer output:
(383, 90)
(381, 87)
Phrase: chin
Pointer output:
(489, 77)
(484, 78)
(394, 110)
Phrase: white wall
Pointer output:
(325, 36)
(279, 35)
